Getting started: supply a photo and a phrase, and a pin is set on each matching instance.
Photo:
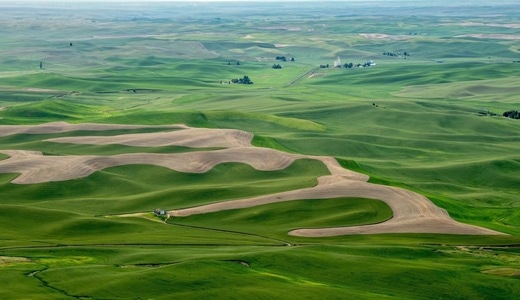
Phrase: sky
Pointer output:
(455, 2)
(72, 1)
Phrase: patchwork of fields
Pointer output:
(398, 180)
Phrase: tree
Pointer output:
(292, 58)
(513, 114)
(41, 64)
(243, 80)
(276, 66)
(246, 80)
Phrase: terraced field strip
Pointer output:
(412, 213)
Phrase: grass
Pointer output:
(103, 272)
(34, 142)
(281, 218)
(126, 189)
(412, 123)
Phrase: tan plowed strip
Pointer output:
(34, 167)
(189, 137)
(412, 213)
(57, 127)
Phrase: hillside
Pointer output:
(374, 162)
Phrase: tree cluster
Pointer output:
(365, 65)
(398, 54)
(283, 58)
(513, 114)
(243, 80)
(350, 65)
(276, 66)
(487, 113)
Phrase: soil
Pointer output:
(511, 37)
(381, 36)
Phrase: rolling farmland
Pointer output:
(375, 162)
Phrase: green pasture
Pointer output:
(278, 219)
(138, 188)
(314, 271)
(418, 122)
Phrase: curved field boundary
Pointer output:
(34, 167)
(59, 127)
(412, 213)
(189, 137)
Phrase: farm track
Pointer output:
(148, 216)
(412, 213)
(299, 78)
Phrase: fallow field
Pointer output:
(397, 180)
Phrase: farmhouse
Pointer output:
(159, 212)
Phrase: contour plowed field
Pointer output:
(412, 213)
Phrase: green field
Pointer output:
(429, 121)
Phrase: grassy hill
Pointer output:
(408, 121)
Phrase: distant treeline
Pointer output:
(398, 54)
(350, 65)
(513, 114)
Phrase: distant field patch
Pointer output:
(382, 36)
(6, 261)
(503, 25)
(504, 272)
(506, 88)
(492, 36)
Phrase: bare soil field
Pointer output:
(412, 213)
(30, 89)
(504, 25)
(58, 127)
(512, 37)
(9, 260)
(381, 36)
(189, 137)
